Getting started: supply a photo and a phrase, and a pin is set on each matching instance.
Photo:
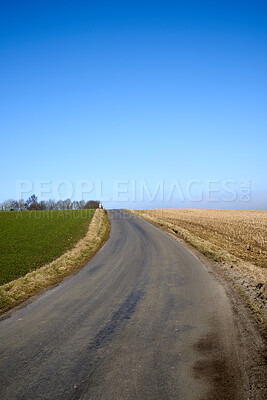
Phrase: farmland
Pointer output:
(240, 233)
(30, 239)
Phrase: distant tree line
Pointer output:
(33, 204)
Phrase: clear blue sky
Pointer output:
(137, 91)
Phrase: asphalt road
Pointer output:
(142, 320)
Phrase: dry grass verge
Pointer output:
(21, 289)
(249, 279)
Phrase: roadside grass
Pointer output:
(82, 235)
(235, 239)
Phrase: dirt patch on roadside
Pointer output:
(15, 292)
(228, 380)
(214, 367)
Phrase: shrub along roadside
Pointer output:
(17, 291)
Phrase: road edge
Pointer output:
(250, 331)
(223, 266)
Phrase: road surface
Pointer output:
(142, 320)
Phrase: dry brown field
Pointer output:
(240, 232)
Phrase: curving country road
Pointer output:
(142, 320)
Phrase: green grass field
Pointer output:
(30, 239)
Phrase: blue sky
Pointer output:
(135, 93)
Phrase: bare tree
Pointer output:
(81, 204)
(7, 205)
(21, 205)
(60, 205)
(51, 204)
(43, 205)
(32, 204)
